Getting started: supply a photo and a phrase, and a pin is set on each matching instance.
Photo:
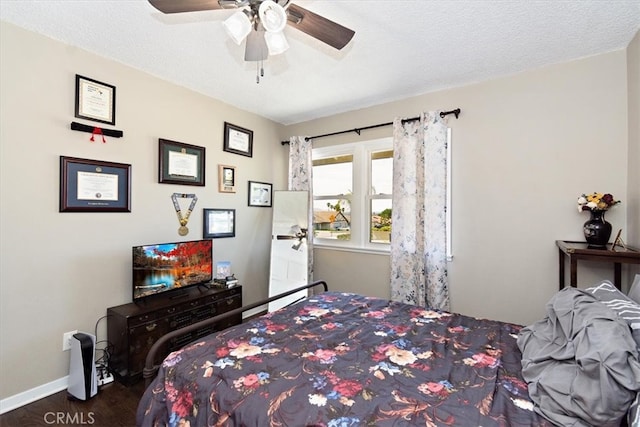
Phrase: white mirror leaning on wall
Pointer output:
(289, 257)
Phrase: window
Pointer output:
(352, 192)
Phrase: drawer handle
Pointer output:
(151, 327)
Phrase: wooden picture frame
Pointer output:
(180, 163)
(226, 179)
(238, 140)
(95, 100)
(260, 194)
(94, 186)
(219, 223)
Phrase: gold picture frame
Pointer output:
(226, 179)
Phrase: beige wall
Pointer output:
(524, 148)
(60, 271)
(633, 166)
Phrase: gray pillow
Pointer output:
(634, 292)
(626, 308)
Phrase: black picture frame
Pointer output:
(238, 140)
(180, 163)
(218, 223)
(95, 100)
(94, 186)
(260, 194)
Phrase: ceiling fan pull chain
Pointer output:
(257, 73)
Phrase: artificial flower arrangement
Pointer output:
(596, 202)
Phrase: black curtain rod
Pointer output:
(456, 112)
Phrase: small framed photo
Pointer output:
(94, 186)
(219, 223)
(180, 163)
(238, 140)
(226, 179)
(95, 100)
(260, 194)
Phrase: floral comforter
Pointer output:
(339, 359)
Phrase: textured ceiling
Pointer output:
(401, 47)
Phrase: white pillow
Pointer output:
(634, 292)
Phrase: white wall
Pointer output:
(524, 148)
(60, 271)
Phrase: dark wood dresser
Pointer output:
(133, 328)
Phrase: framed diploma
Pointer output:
(226, 179)
(94, 186)
(259, 194)
(219, 223)
(238, 140)
(180, 163)
(95, 100)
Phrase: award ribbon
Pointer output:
(97, 131)
(183, 230)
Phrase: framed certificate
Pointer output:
(238, 140)
(260, 194)
(95, 100)
(180, 163)
(226, 179)
(94, 186)
(219, 223)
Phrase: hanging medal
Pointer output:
(183, 230)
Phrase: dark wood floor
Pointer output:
(114, 405)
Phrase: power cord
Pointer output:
(102, 363)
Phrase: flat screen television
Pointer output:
(167, 267)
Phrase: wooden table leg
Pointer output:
(617, 275)
(561, 268)
(574, 271)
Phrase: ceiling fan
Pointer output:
(261, 23)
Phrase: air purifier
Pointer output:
(83, 381)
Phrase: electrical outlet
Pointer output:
(66, 340)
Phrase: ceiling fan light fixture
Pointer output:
(238, 26)
(276, 42)
(272, 16)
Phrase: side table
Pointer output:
(576, 251)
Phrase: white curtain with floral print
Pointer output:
(418, 234)
(301, 179)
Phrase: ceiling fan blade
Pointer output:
(285, 237)
(173, 6)
(321, 28)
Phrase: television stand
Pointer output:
(178, 294)
(133, 328)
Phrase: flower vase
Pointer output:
(597, 230)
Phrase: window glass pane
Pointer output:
(380, 221)
(332, 219)
(381, 172)
(333, 176)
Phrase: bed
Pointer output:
(341, 359)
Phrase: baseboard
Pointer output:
(254, 312)
(36, 393)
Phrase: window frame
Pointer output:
(360, 196)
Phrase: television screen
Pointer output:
(166, 267)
